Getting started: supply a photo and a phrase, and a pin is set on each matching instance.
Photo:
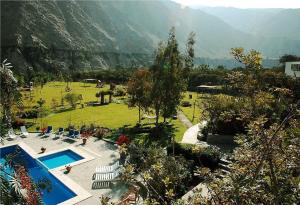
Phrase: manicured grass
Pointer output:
(189, 111)
(56, 90)
(113, 115)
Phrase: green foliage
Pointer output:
(119, 91)
(264, 166)
(265, 163)
(288, 58)
(225, 114)
(164, 176)
(9, 94)
(201, 75)
(139, 88)
(72, 99)
(170, 76)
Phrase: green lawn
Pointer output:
(56, 90)
(189, 111)
(113, 115)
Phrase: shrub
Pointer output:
(186, 104)
(43, 112)
(119, 91)
(29, 114)
(208, 157)
(101, 132)
(17, 123)
(72, 99)
(122, 140)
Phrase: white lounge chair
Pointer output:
(24, 131)
(105, 177)
(60, 132)
(11, 134)
(103, 180)
(107, 169)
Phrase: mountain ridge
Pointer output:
(101, 34)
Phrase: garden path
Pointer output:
(190, 136)
(185, 121)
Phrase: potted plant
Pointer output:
(43, 130)
(68, 169)
(85, 135)
(43, 149)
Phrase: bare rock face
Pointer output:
(63, 35)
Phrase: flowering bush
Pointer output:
(32, 197)
(122, 140)
(85, 134)
(43, 130)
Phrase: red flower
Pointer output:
(122, 140)
(44, 129)
(26, 183)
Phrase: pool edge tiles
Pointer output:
(81, 193)
(86, 157)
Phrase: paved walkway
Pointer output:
(190, 136)
(199, 189)
(185, 121)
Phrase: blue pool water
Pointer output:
(60, 158)
(58, 193)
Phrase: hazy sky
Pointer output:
(243, 3)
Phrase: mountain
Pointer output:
(280, 23)
(54, 35)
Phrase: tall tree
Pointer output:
(139, 87)
(170, 75)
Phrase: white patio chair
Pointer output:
(11, 134)
(24, 131)
(107, 169)
(106, 177)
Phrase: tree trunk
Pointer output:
(140, 114)
(110, 98)
(173, 139)
(7, 119)
(102, 98)
(156, 118)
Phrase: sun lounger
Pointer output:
(77, 134)
(60, 132)
(24, 131)
(73, 134)
(49, 131)
(11, 134)
(107, 169)
(106, 177)
(101, 185)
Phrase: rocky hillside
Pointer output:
(53, 35)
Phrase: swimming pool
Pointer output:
(58, 193)
(58, 159)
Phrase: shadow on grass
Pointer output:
(146, 134)
(64, 110)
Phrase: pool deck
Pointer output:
(96, 153)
